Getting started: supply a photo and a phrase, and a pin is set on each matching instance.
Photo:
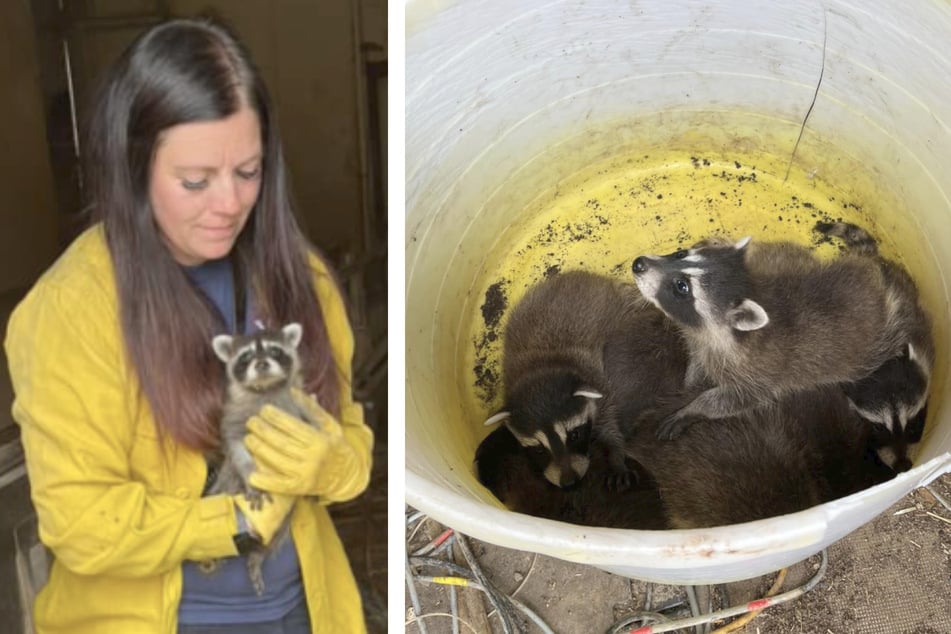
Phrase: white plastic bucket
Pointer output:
(504, 99)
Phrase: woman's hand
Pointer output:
(289, 453)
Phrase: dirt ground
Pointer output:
(892, 576)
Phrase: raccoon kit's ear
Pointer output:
(912, 353)
(496, 418)
(222, 346)
(741, 244)
(747, 316)
(588, 393)
(292, 334)
(712, 241)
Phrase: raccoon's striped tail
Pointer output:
(857, 238)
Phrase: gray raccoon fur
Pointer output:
(261, 369)
(893, 398)
(767, 319)
(779, 458)
(559, 398)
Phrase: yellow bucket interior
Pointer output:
(658, 200)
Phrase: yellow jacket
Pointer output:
(118, 516)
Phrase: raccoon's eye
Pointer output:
(916, 426)
(274, 353)
(682, 286)
(680, 255)
(881, 435)
(536, 450)
(576, 435)
(245, 357)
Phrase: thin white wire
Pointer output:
(419, 617)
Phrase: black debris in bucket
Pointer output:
(495, 302)
(486, 371)
(486, 379)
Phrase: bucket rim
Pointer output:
(672, 549)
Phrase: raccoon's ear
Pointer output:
(222, 346)
(588, 393)
(496, 418)
(741, 244)
(912, 353)
(292, 334)
(747, 316)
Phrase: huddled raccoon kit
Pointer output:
(770, 461)
(261, 369)
(765, 320)
(511, 472)
(810, 367)
(561, 400)
(894, 398)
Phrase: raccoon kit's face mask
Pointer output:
(262, 360)
(556, 435)
(705, 287)
(894, 401)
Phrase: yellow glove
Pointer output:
(288, 452)
(266, 516)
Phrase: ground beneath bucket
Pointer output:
(892, 576)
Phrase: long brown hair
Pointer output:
(179, 72)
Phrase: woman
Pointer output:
(118, 390)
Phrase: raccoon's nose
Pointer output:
(640, 265)
(569, 480)
(902, 464)
(261, 365)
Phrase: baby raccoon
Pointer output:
(506, 468)
(766, 319)
(780, 458)
(261, 369)
(560, 399)
(893, 399)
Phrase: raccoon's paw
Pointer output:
(208, 566)
(257, 498)
(673, 426)
(618, 480)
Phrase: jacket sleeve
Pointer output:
(79, 423)
(346, 470)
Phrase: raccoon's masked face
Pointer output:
(260, 361)
(552, 420)
(894, 401)
(560, 453)
(702, 288)
(895, 445)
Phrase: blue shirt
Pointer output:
(226, 595)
